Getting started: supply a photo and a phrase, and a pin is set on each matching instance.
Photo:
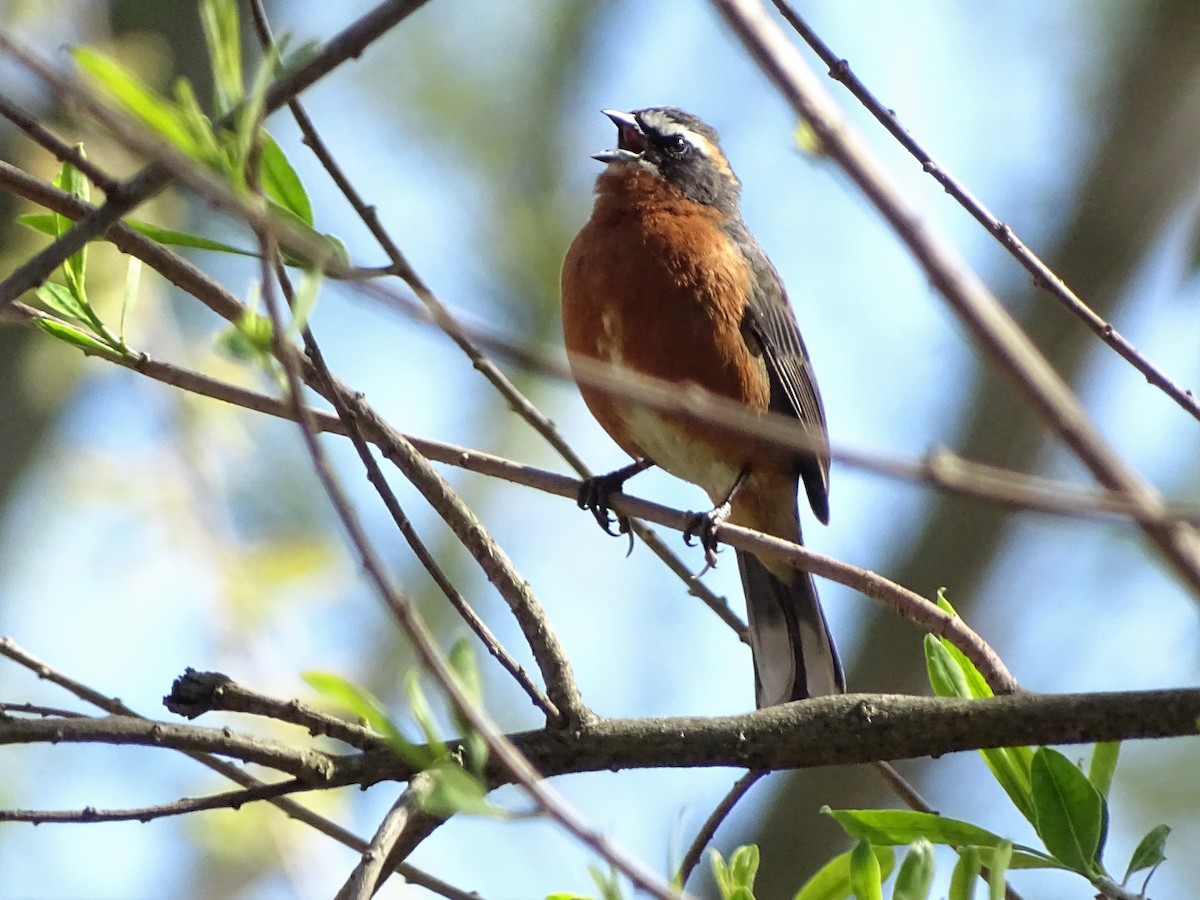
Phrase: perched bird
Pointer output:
(666, 281)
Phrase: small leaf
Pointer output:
(1071, 814)
(71, 335)
(806, 139)
(305, 300)
(720, 872)
(962, 879)
(866, 879)
(456, 791)
(609, 882)
(946, 676)
(183, 239)
(466, 673)
(60, 299)
(832, 880)
(280, 181)
(248, 340)
(743, 866)
(915, 877)
(998, 865)
(41, 222)
(222, 35)
(136, 99)
(901, 826)
(73, 182)
(1151, 850)
(133, 278)
(951, 674)
(418, 708)
(199, 127)
(361, 703)
(1104, 766)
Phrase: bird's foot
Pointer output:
(594, 494)
(703, 528)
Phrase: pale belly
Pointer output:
(675, 449)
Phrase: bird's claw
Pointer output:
(593, 496)
(703, 529)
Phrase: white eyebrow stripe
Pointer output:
(706, 148)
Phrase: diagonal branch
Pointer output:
(992, 327)
(1043, 275)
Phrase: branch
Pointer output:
(826, 731)
(286, 805)
(347, 44)
(940, 468)
(312, 767)
(992, 327)
(1043, 275)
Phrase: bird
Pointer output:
(665, 280)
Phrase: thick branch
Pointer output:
(853, 728)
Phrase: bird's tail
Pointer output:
(794, 656)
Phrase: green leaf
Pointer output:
(183, 239)
(609, 882)
(743, 866)
(136, 99)
(222, 35)
(731, 879)
(45, 223)
(1150, 851)
(60, 299)
(1071, 815)
(248, 340)
(418, 708)
(966, 870)
(466, 673)
(199, 127)
(71, 335)
(951, 674)
(456, 791)
(865, 878)
(998, 865)
(133, 278)
(946, 676)
(363, 704)
(915, 878)
(1104, 766)
(832, 880)
(305, 300)
(73, 182)
(902, 826)
(280, 181)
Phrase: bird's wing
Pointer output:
(769, 319)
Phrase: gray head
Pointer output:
(678, 148)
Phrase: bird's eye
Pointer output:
(678, 145)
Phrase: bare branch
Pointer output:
(997, 334)
(708, 830)
(1043, 275)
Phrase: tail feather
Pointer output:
(794, 655)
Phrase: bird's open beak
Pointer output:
(631, 140)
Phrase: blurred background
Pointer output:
(143, 531)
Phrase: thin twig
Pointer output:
(709, 829)
(940, 469)
(349, 43)
(286, 805)
(1043, 275)
(453, 328)
(560, 682)
(992, 327)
